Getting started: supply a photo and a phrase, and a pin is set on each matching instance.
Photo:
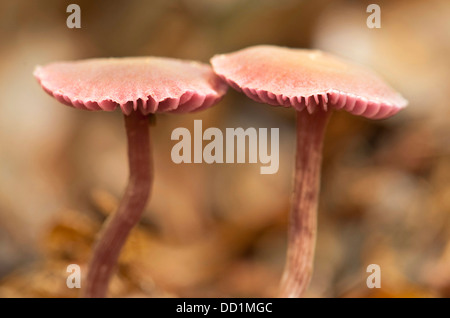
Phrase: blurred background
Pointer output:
(220, 230)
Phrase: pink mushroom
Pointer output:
(139, 86)
(314, 83)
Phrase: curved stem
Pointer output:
(118, 225)
(303, 215)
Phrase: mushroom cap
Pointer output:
(146, 84)
(303, 78)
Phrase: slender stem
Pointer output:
(303, 215)
(118, 225)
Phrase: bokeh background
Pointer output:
(220, 230)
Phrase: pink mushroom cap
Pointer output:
(146, 84)
(303, 78)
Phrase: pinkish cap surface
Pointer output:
(302, 78)
(146, 84)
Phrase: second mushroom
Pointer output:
(314, 83)
(140, 86)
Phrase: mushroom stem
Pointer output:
(303, 215)
(118, 225)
